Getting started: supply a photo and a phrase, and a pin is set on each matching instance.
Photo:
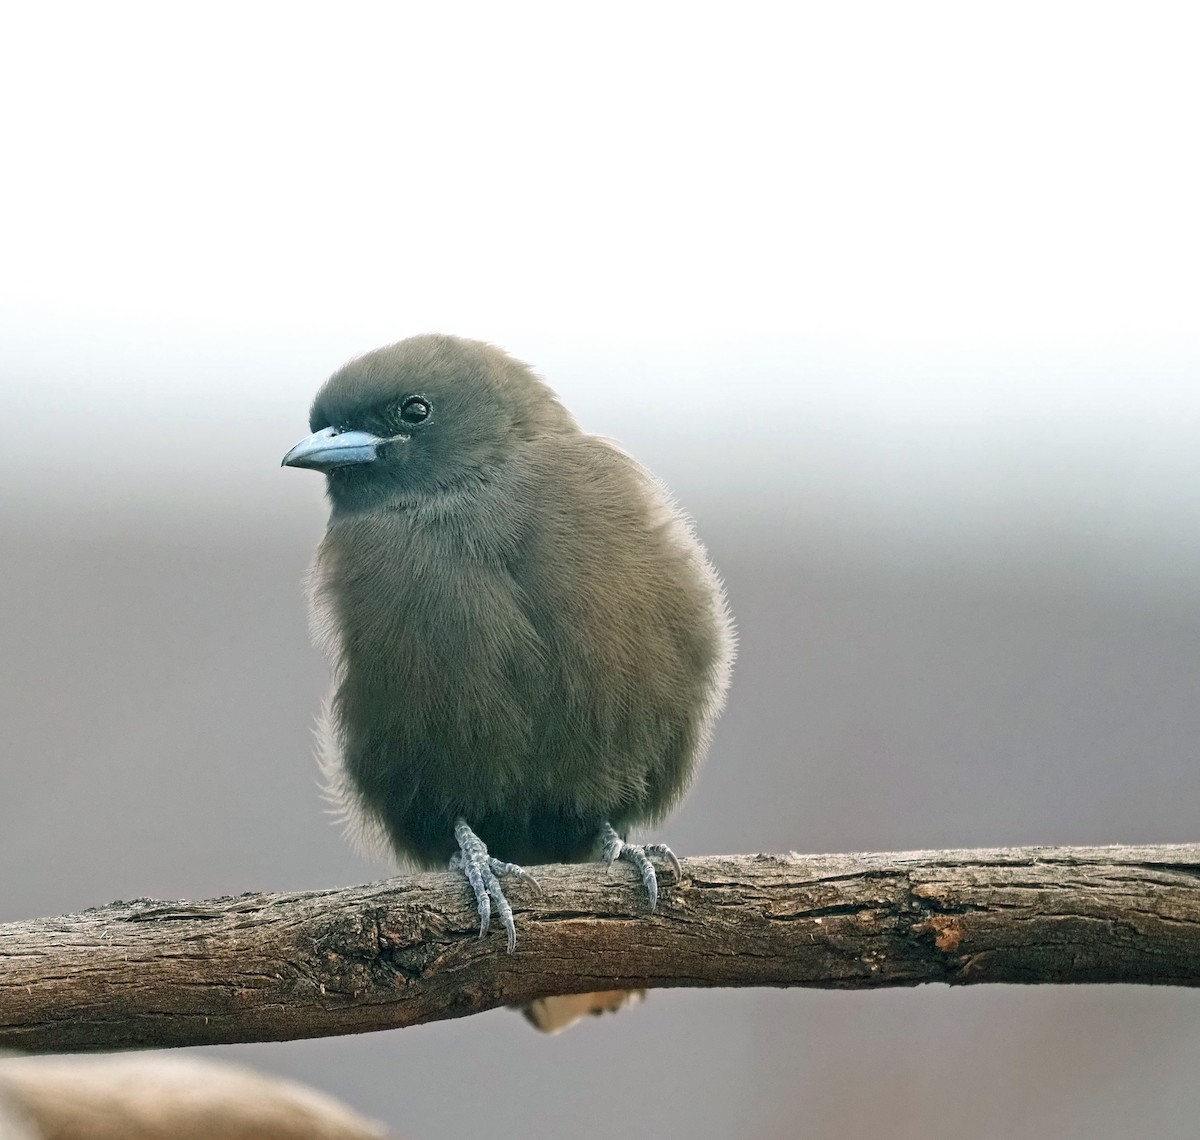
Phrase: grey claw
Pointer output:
(637, 856)
(664, 852)
(614, 847)
(502, 868)
(482, 873)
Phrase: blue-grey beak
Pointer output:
(330, 448)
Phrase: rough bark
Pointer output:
(276, 967)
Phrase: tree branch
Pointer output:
(403, 952)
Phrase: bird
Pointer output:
(529, 645)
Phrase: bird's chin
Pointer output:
(353, 489)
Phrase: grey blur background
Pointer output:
(901, 304)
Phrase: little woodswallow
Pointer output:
(529, 644)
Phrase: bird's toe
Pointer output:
(483, 873)
(613, 847)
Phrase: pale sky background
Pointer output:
(928, 175)
(947, 253)
(901, 300)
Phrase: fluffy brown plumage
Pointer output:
(526, 636)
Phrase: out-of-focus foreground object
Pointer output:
(151, 1096)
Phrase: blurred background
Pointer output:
(901, 301)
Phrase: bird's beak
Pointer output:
(329, 448)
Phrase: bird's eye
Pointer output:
(414, 410)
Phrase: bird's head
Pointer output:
(426, 415)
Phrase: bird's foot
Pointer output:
(483, 873)
(614, 847)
